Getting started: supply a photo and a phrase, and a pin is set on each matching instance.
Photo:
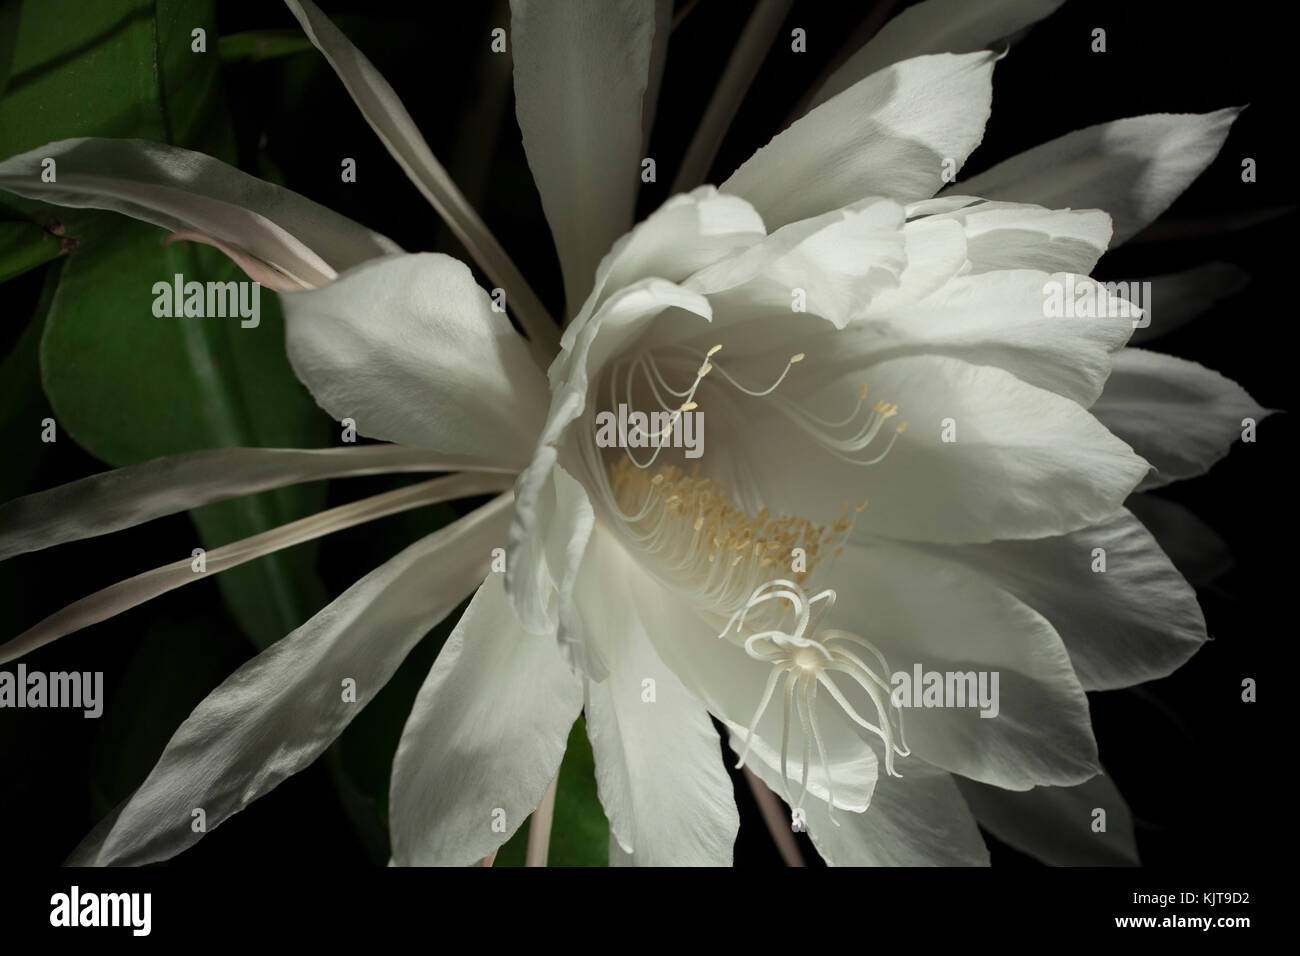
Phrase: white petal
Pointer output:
(183, 190)
(383, 110)
(659, 770)
(278, 712)
(919, 820)
(921, 611)
(887, 135)
(1002, 235)
(125, 497)
(1024, 462)
(1134, 620)
(688, 233)
(842, 261)
(581, 70)
(993, 318)
(936, 26)
(484, 738)
(410, 348)
(1180, 416)
(1055, 824)
(1132, 168)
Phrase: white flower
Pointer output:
(627, 568)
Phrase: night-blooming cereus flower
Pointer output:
(909, 463)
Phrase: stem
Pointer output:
(539, 827)
(775, 819)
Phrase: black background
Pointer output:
(1197, 765)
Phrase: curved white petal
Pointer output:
(1005, 235)
(180, 190)
(1132, 168)
(1022, 463)
(659, 770)
(581, 72)
(887, 135)
(1182, 417)
(938, 616)
(688, 233)
(841, 261)
(1059, 825)
(383, 110)
(936, 26)
(1125, 614)
(484, 738)
(410, 348)
(919, 820)
(278, 712)
(125, 497)
(621, 317)
(1000, 318)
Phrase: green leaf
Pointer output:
(25, 245)
(579, 830)
(128, 386)
(256, 46)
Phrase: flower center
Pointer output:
(752, 567)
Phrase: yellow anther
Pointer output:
(902, 427)
(797, 357)
(689, 406)
(714, 351)
(862, 391)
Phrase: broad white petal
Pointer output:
(1004, 319)
(1022, 462)
(278, 712)
(659, 770)
(919, 820)
(839, 263)
(1125, 613)
(921, 612)
(484, 738)
(887, 135)
(581, 72)
(179, 190)
(1132, 168)
(936, 26)
(410, 348)
(1003, 235)
(125, 497)
(1058, 825)
(1182, 417)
